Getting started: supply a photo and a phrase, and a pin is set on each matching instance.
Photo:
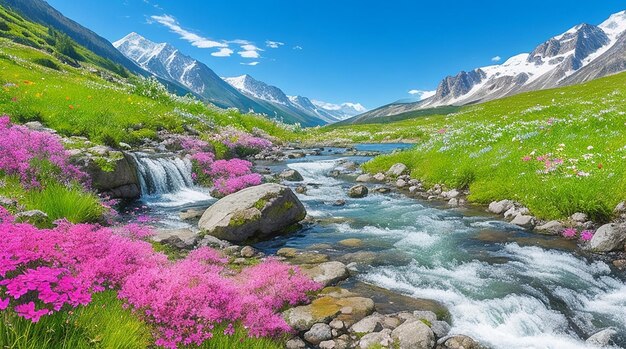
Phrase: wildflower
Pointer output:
(590, 147)
(586, 235)
(442, 131)
(569, 233)
(526, 158)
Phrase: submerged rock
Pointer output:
(358, 191)
(603, 338)
(364, 178)
(328, 273)
(256, 212)
(291, 176)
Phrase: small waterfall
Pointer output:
(159, 174)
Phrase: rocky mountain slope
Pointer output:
(582, 53)
(261, 91)
(167, 62)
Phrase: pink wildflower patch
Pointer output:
(586, 235)
(569, 233)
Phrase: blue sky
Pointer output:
(372, 52)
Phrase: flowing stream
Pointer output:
(504, 286)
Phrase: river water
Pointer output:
(502, 285)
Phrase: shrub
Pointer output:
(241, 143)
(34, 156)
(46, 62)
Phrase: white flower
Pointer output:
(590, 147)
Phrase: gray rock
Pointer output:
(295, 343)
(339, 203)
(7, 202)
(397, 170)
(454, 202)
(603, 338)
(191, 214)
(579, 217)
(382, 190)
(255, 212)
(551, 228)
(364, 178)
(425, 315)
(515, 211)
(401, 183)
(382, 338)
(451, 194)
(372, 323)
(248, 252)
(121, 183)
(414, 335)
(609, 237)
(301, 189)
(179, 238)
(524, 221)
(499, 207)
(330, 344)
(318, 333)
(358, 191)
(379, 177)
(328, 273)
(213, 242)
(458, 342)
(337, 324)
(620, 208)
(32, 216)
(440, 328)
(291, 176)
(35, 126)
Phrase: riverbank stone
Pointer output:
(397, 170)
(358, 191)
(609, 237)
(499, 207)
(327, 273)
(603, 338)
(458, 342)
(413, 335)
(550, 228)
(318, 333)
(257, 212)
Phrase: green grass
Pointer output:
(103, 324)
(239, 339)
(56, 200)
(482, 147)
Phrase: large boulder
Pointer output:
(603, 338)
(256, 212)
(609, 237)
(119, 183)
(458, 342)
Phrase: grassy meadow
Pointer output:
(557, 151)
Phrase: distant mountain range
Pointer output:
(583, 53)
(328, 112)
(244, 92)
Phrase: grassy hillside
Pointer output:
(557, 151)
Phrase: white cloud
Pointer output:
(274, 44)
(248, 49)
(251, 63)
(194, 39)
(223, 52)
(496, 59)
(422, 94)
(297, 47)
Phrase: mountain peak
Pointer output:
(615, 25)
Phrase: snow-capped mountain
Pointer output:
(556, 62)
(166, 62)
(261, 91)
(582, 53)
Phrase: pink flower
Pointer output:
(569, 233)
(4, 303)
(586, 235)
(526, 158)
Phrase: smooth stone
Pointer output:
(288, 252)
(368, 324)
(414, 335)
(440, 328)
(397, 170)
(579, 217)
(603, 338)
(499, 207)
(377, 339)
(328, 273)
(179, 238)
(295, 343)
(255, 212)
(32, 216)
(191, 214)
(609, 237)
(318, 333)
(458, 342)
(380, 177)
(364, 178)
(524, 221)
(248, 252)
(551, 228)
